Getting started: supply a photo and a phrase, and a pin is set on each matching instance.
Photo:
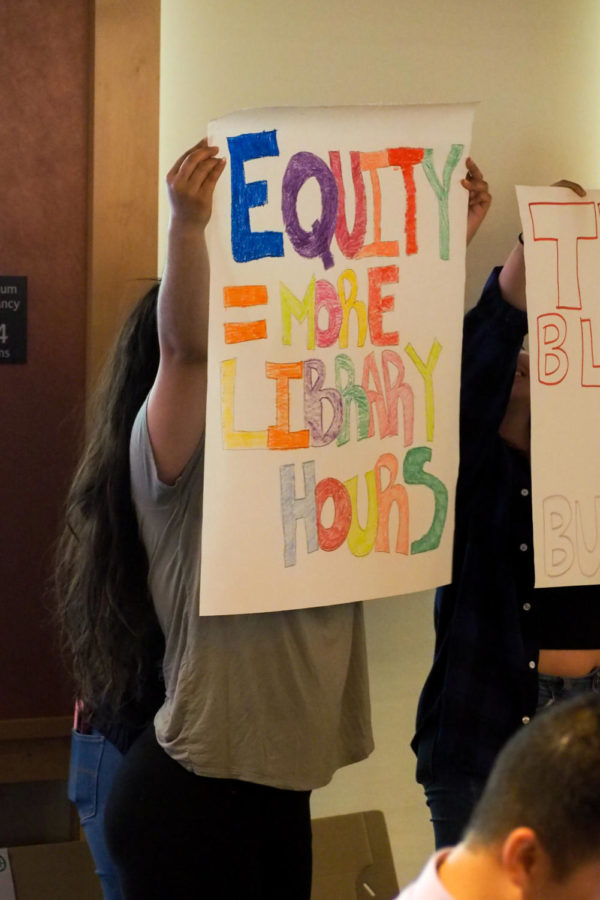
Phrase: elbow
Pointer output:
(183, 353)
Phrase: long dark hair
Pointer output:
(104, 609)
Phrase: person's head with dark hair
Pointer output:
(104, 609)
(535, 832)
(547, 779)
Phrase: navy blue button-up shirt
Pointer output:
(483, 682)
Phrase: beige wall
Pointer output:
(534, 67)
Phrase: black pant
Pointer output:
(173, 834)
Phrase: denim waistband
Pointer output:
(592, 679)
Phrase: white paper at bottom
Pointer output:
(7, 888)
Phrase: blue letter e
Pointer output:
(247, 244)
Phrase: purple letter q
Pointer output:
(316, 242)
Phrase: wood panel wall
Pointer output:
(43, 235)
(78, 217)
(124, 177)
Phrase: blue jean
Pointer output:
(93, 766)
(451, 796)
(552, 688)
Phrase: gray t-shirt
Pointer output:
(280, 698)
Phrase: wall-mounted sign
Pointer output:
(13, 319)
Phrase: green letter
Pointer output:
(414, 461)
(442, 190)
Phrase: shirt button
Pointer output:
(525, 720)
(524, 492)
(527, 607)
(523, 547)
(531, 664)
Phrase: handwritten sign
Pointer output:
(562, 257)
(337, 290)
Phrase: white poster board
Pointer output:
(337, 247)
(562, 261)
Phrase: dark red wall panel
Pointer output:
(44, 115)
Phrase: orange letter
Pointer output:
(407, 158)
(393, 493)
(378, 304)
(280, 437)
(371, 162)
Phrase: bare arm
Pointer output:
(480, 198)
(512, 276)
(177, 403)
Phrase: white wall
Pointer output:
(535, 68)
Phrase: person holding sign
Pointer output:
(213, 798)
(502, 648)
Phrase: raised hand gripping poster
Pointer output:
(562, 261)
(337, 247)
